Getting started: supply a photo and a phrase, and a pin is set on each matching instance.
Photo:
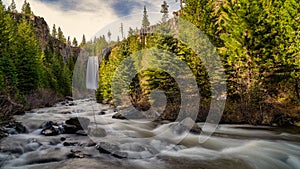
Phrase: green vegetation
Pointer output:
(258, 42)
(145, 21)
(259, 45)
(26, 69)
(165, 11)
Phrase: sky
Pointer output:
(94, 17)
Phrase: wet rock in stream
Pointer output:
(119, 116)
(112, 149)
(52, 129)
(102, 113)
(70, 129)
(75, 125)
(68, 144)
(68, 103)
(76, 153)
(80, 122)
(119, 154)
(14, 127)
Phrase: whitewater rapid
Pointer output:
(149, 145)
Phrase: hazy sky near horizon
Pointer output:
(78, 17)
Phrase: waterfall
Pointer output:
(92, 73)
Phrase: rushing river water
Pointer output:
(230, 147)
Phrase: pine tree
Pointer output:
(61, 36)
(165, 11)
(75, 43)
(26, 9)
(69, 41)
(83, 42)
(122, 31)
(8, 53)
(145, 21)
(109, 35)
(12, 7)
(260, 51)
(27, 61)
(205, 16)
(54, 32)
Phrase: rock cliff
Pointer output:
(43, 35)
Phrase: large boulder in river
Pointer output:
(107, 148)
(80, 122)
(70, 129)
(52, 129)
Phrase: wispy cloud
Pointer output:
(76, 17)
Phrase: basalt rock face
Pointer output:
(40, 25)
(46, 40)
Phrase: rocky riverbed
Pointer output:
(83, 134)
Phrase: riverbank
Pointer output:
(10, 107)
(268, 113)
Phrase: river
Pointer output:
(230, 147)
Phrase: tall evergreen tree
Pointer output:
(12, 7)
(122, 31)
(83, 42)
(75, 42)
(60, 35)
(109, 35)
(54, 31)
(205, 16)
(8, 53)
(69, 41)
(28, 55)
(165, 11)
(26, 9)
(145, 21)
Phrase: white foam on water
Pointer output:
(144, 141)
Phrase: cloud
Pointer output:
(123, 8)
(78, 17)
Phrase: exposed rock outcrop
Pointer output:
(46, 40)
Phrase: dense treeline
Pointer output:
(29, 74)
(259, 44)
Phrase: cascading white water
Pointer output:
(232, 146)
(92, 73)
